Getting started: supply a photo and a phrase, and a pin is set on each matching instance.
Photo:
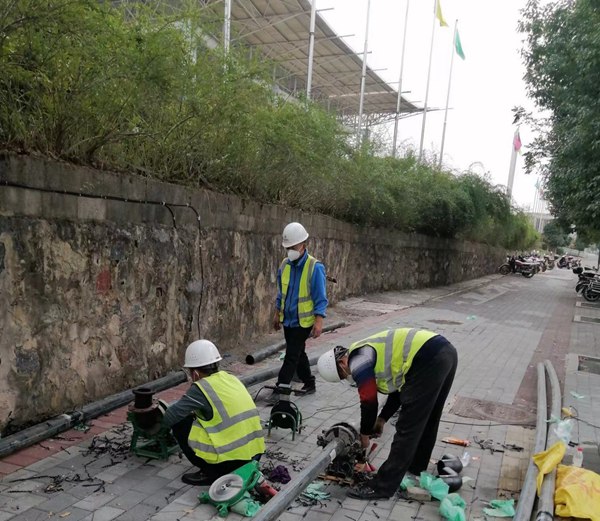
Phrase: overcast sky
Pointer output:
(485, 86)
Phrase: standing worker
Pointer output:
(300, 306)
(215, 422)
(415, 369)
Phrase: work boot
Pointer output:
(196, 479)
(273, 398)
(367, 493)
(310, 388)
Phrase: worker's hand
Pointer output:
(365, 441)
(317, 327)
(276, 322)
(378, 429)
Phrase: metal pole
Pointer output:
(311, 47)
(428, 78)
(527, 496)
(511, 170)
(278, 503)
(227, 27)
(399, 100)
(448, 96)
(546, 502)
(363, 79)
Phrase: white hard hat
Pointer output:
(200, 353)
(327, 366)
(293, 233)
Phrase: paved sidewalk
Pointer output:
(499, 326)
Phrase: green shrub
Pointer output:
(136, 89)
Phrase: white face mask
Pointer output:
(349, 379)
(293, 255)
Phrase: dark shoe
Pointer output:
(196, 479)
(367, 493)
(273, 398)
(310, 388)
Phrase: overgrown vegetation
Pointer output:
(562, 56)
(140, 91)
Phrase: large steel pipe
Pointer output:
(546, 503)
(527, 496)
(278, 503)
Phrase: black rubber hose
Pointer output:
(263, 353)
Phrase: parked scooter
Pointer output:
(514, 265)
(585, 276)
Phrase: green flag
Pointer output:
(458, 46)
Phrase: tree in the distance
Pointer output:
(562, 57)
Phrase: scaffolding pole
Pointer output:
(363, 79)
(311, 47)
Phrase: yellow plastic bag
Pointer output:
(577, 493)
(548, 460)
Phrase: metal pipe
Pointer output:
(261, 354)
(61, 423)
(363, 78)
(527, 496)
(311, 47)
(546, 503)
(448, 95)
(227, 27)
(428, 79)
(399, 99)
(278, 503)
(58, 424)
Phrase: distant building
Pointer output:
(539, 220)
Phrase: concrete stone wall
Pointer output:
(103, 285)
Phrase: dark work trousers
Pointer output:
(181, 432)
(422, 399)
(295, 360)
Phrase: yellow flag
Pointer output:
(439, 15)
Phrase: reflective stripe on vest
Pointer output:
(234, 432)
(395, 349)
(306, 307)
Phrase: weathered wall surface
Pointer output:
(99, 294)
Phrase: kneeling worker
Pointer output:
(215, 422)
(416, 370)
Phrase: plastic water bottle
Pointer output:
(578, 457)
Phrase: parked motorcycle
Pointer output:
(585, 276)
(513, 265)
(591, 291)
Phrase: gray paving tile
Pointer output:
(137, 513)
(58, 502)
(94, 501)
(106, 513)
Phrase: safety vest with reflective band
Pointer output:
(234, 432)
(306, 306)
(395, 349)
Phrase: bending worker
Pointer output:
(415, 369)
(215, 422)
(300, 306)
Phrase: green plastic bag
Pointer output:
(435, 486)
(452, 507)
(406, 483)
(501, 508)
(246, 506)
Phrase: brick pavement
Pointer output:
(496, 324)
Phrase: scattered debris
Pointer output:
(456, 441)
(500, 508)
(577, 395)
(279, 474)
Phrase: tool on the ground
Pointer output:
(343, 464)
(340, 441)
(285, 413)
(150, 438)
(456, 441)
(231, 489)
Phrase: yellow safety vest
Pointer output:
(234, 432)
(306, 306)
(395, 349)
